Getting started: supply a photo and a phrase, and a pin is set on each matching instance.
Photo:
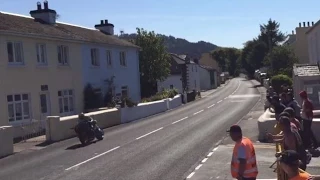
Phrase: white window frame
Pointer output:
(24, 117)
(65, 95)
(41, 54)
(125, 88)
(15, 55)
(94, 56)
(109, 58)
(63, 55)
(122, 58)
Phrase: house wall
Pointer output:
(314, 45)
(311, 84)
(194, 77)
(207, 60)
(204, 79)
(124, 76)
(174, 80)
(28, 78)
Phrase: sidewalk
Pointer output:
(216, 165)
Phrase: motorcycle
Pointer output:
(88, 130)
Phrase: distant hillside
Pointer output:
(181, 46)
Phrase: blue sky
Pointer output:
(227, 23)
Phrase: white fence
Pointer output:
(142, 110)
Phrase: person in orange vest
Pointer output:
(243, 163)
(289, 162)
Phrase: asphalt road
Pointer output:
(163, 147)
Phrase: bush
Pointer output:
(279, 80)
(91, 99)
(167, 93)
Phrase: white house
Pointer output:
(174, 80)
(208, 78)
(113, 58)
(313, 37)
(192, 74)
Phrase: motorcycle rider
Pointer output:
(82, 117)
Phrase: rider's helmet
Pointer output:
(81, 116)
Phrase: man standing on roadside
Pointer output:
(278, 106)
(243, 163)
(307, 117)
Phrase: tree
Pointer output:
(281, 60)
(257, 54)
(220, 56)
(154, 61)
(270, 34)
(227, 59)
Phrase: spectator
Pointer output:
(307, 117)
(291, 115)
(289, 162)
(291, 140)
(283, 98)
(294, 105)
(278, 106)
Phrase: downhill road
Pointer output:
(164, 147)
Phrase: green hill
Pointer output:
(181, 46)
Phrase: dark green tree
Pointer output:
(220, 56)
(257, 54)
(227, 59)
(270, 34)
(281, 60)
(154, 61)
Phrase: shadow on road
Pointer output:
(76, 146)
(44, 144)
(256, 86)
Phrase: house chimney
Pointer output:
(308, 24)
(292, 32)
(45, 4)
(38, 5)
(304, 24)
(300, 24)
(312, 23)
(105, 27)
(45, 15)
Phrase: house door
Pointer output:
(44, 107)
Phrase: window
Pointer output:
(63, 55)
(41, 54)
(196, 69)
(171, 86)
(66, 101)
(124, 91)
(195, 83)
(109, 60)
(123, 61)
(95, 57)
(191, 68)
(18, 107)
(15, 52)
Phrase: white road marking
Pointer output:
(225, 97)
(92, 158)
(180, 120)
(149, 133)
(245, 96)
(217, 144)
(204, 160)
(197, 112)
(215, 149)
(198, 167)
(211, 106)
(190, 175)
(219, 101)
(210, 154)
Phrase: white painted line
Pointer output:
(190, 175)
(215, 149)
(199, 166)
(204, 160)
(149, 133)
(211, 106)
(92, 158)
(210, 154)
(180, 120)
(197, 112)
(217, 144)
(219, 101)
(225, 97)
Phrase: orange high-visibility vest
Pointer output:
(251, 169)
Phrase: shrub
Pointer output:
(279, 80)
(167, 93)
(91, 99)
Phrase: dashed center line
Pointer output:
(198, 112)
(149, 133)
(219, 101)
(204, 160)
(180, 120)
(190, 175)
(92, 158)
(199, 166)
(210, 154)
(211, 106)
